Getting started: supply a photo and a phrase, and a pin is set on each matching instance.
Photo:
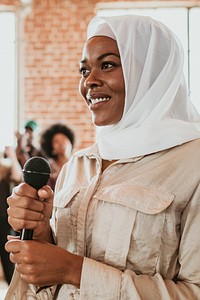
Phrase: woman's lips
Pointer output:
(97, 97)
(98, 102)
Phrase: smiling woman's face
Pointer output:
(102, 82)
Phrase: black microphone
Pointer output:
(36, 172)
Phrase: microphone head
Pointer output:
(36, 172)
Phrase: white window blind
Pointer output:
(7, 78)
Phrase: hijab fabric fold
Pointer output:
(158, 113)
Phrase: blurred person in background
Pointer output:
(57, 143)
(27, 142)
(10, 175)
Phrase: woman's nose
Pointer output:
(93, 80)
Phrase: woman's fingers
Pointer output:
(24, 212)
(29, 208)
(24, 189)
(13, 237)
(34, 212)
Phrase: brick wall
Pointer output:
(53, 35)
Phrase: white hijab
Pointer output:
(158, 113)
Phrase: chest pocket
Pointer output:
(66, 205)
(128, 226)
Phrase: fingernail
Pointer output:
(44, 193)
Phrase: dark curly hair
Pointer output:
(48, 134)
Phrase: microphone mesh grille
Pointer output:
(36, 172)
(37, 164)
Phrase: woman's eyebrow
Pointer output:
(101, 57)
(107, 54)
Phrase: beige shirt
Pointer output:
(137, 224)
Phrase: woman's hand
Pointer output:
(31, 209)
(44, 264)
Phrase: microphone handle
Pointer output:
(26, 234)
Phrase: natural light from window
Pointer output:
(7, 78)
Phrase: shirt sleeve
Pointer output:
(100, 281)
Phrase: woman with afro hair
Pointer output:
(57, 143)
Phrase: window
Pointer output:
(7, 78)
(183, 21)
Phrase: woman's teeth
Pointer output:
(97, 100)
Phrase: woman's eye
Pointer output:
(83, 71)
(107, 65)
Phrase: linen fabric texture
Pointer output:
(136, 224)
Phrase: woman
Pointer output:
(126, 211)
(57, 143)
